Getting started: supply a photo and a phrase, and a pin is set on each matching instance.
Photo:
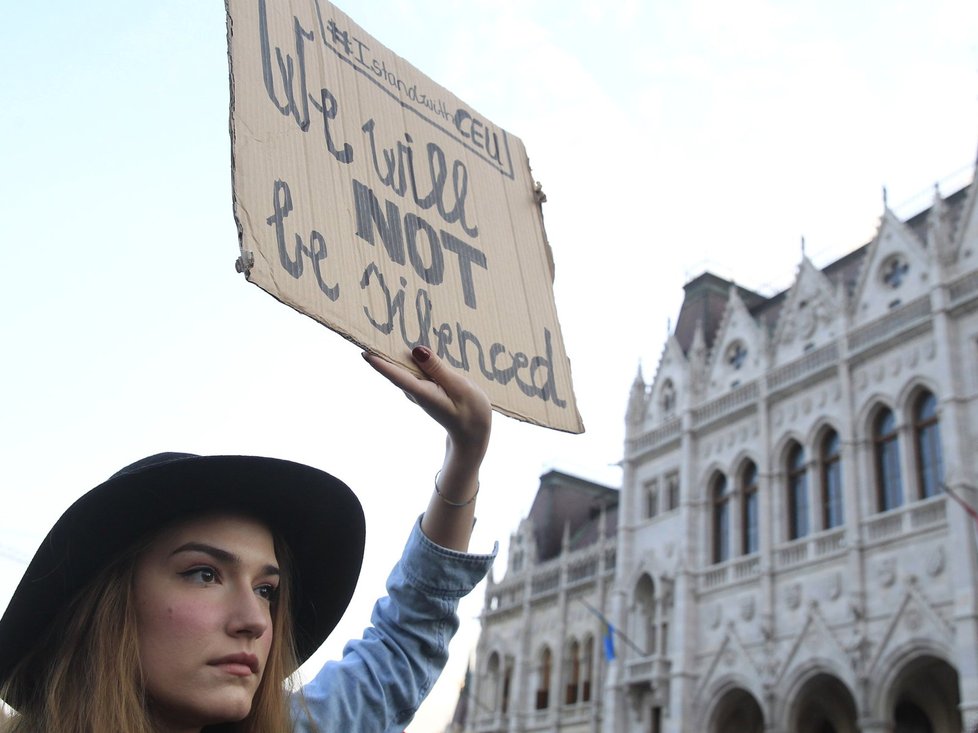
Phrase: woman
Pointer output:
(177, 596)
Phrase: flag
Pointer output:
(609, 634)
(609, 642)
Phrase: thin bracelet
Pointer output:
(449, 501)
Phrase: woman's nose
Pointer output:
(249, 616)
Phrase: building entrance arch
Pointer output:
(739, 711)
(824, 705)
(924, 697)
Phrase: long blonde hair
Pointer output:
(92, 678)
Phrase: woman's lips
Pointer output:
(240, 665)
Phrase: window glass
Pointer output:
(797, 493)
(889, 484)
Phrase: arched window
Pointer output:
(831, 473)
(492, 680)
(797, 493)
(573, 672)
(927, 439)
(672, 492)
(543, 679)
(645, 606)
(507, 682)
(750, 539)
(721, 518)
(651, 498)
(886, 446)
(587, 668)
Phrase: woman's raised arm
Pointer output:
(464, 411)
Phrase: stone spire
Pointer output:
(939, 236)
(637, 400)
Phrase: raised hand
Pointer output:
(464, 411)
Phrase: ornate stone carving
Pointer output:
(813, 309)
(792, 595)
(833, 586)
(913, 618)
(716, 615)
(886, 572)
(813, 639)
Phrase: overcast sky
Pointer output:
(670, 137)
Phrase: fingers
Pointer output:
(395, 373)
(430, 365)
(437, 371)
(445, 394)
(422, 391)
(465, 395)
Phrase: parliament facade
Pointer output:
(787, 552)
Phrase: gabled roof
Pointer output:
(706, 300)
(566, 500)
(706, 295)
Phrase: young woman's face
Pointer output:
(203, 595)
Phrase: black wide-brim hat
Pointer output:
(315, 514)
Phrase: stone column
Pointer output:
(958, 446)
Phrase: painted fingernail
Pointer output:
(421, 353)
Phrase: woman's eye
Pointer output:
(268, 592)
(204, 575)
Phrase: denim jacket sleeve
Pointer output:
(383, 677)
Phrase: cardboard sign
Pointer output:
(373, 200)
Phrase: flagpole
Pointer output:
(618, 632)
(968, 509)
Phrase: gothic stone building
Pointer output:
(540, 656)
(790, 556)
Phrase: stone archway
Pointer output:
(911, 719)
(737, 710)
(924, 697)
(824, 705)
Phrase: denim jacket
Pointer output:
(383, 677)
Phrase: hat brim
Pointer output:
(317, 516)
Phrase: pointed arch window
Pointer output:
(543, 679)
(651, 508)
(927, 439)
(573, 674)
(797, 493)
(587, 668)
(645, 620)
(672, 492)
(721, 518)
(750, 538)
(830, 459)
(492, 680)
(886, 447)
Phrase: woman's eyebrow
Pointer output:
(221, 555)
